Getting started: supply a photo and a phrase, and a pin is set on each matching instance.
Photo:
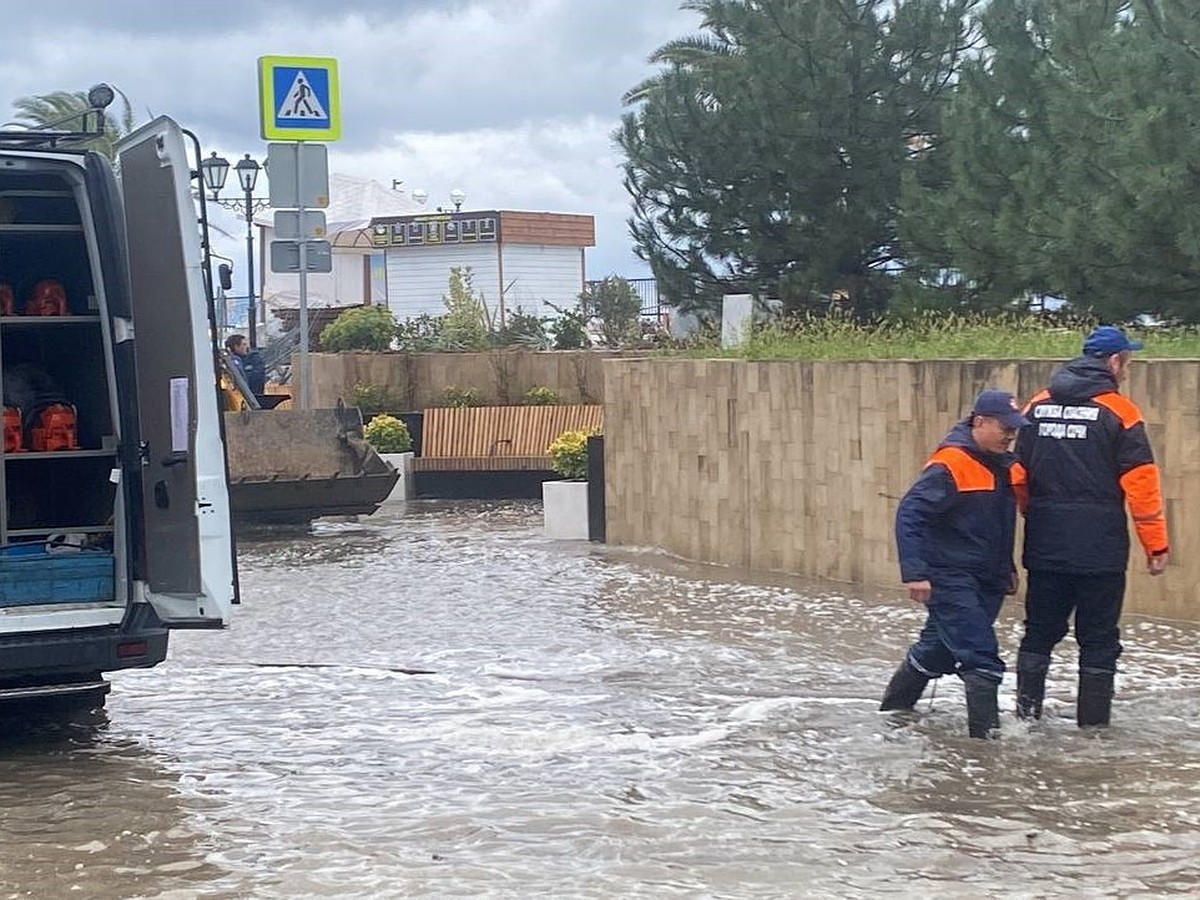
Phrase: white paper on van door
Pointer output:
(180, 414)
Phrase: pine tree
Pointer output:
(1066, 164)
(766, 156)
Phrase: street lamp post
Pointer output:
(216, 170)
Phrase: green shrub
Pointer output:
(361, 328)
(372, 399)
(522, 330)
(539, 395)
(465, 324)
(569, 329)
(421, 333)
(387, 434)
(617, 305)
(568, 454)
(458, 398)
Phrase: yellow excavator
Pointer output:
(235, 391)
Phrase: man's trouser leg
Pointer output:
(1097, 629)
(963, 609)
(1049, 601)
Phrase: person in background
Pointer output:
(248, 363)
(237, 347)
(955, 530)
(1086, 458)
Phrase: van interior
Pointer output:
(58, 462)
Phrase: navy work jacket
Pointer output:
(1087, 456)
(961, 512)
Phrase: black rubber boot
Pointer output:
(983, 712)
(905, 688)
(1031, 684)
(1094, 707)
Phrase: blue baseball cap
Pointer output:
(1106, 340)
(1001, 406)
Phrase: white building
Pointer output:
(525, 260)
(389, 250)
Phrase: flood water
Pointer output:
(592, 723)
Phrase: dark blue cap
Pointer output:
(1001, 406)
(1106, 340)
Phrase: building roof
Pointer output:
(353, 203)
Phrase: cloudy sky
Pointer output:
(512, 101)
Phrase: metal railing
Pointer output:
(647, 291)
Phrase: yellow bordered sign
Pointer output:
(298, 98)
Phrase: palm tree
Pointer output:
(69, 110)
(704, 54)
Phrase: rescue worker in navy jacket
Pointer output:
(1087, 456)
(955, 530)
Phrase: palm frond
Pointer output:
(697, 50)
(69, 110)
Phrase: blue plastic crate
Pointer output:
(32, 576)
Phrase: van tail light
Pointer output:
(129, 649)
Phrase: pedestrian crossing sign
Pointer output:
(298, 98)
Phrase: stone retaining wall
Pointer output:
(500, 377)
(798, 466)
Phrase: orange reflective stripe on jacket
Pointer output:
(1020, 485)
(969, 474)
(1141, 484)
(1143, 492)
(1122, 407)
(1036, 398)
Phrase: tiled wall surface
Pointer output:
(798, 466)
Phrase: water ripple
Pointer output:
(591, 723)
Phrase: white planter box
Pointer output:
(404, 485)
(565, 510)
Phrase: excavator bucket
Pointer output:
(288, 466)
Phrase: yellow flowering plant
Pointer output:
(387, 434)
(541, 396)
(568, 454)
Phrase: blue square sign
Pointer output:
(298, 97)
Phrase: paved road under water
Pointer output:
(596, 723)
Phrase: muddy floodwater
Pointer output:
(437, 701)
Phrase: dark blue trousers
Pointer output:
(959, 634)
(1095, 601)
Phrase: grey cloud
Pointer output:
(404, 66)
(214, 17)
(407, 68)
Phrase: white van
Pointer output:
(114, 502)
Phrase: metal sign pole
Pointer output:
(301, 182)
(304, 399)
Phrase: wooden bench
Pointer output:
(497, 438)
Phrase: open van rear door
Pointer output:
(188, 572)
